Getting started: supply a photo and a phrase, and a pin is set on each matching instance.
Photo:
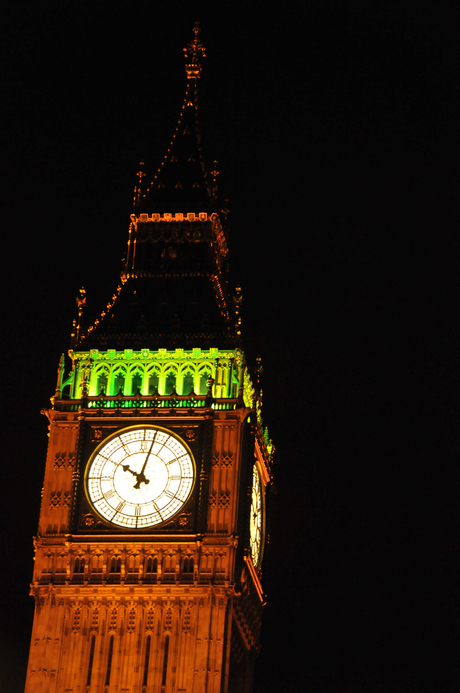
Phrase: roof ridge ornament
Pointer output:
(192, 53)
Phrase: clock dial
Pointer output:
(255, 529)
(140, 477)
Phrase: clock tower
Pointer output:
(151, 535)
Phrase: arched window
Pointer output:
(79, 566)
(109, 662)
(205, 374)
(118, 382)
(187, 386)
(102, 380)
(153, 383)
(146, 661)
(151, 567)
(170, 383)
(91, 659)
(115, 565)
(169, 572)
(187, 569)
(165, 661)
(187, 565)
(136, 384)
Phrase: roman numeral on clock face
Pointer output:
(109, 494)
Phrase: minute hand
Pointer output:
(141, 476)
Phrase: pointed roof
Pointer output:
(173, 289)
(181, 183)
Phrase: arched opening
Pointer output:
(153, 383)
(136, 384)
(165, 661)
(146, 661)
(204, 377)
(102, 380)
(79, 566)
(170, 383)
(119, 383)
(91, 659)
(187, 387)
(109, 662)
(151, 568)
(187, 569)
(115, 565)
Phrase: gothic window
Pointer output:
(136, 384)
(188, 383)
(109, 662)
(165, 661)
(168, 569)
(205, 374)
(102, 380)
(133, 568)
(203, 384)
(220, 567)
(187, 566)
(60, 572)
(151, 569)
(96, 568)
(146, 661)
(170, 383)
(153, 383)
(119, 384)
(187, 569)
(91, 659)
(97, 563)
(49, 563)
(118, 380)
(79, 566)
(206, 563)
(115, 565)
(99, 380)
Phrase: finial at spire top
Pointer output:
(192, 55)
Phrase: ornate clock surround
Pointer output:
(87, 521)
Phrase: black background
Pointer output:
(336, 128)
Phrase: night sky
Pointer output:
(336, 130)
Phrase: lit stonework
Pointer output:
(149, 550)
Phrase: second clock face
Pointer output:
(255, 527)
(140, 477)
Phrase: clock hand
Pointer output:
(127, 468)
(141, 476)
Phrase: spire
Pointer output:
(192, 52)
(181, 183)
(173, 289)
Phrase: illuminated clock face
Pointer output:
(140, 477)
(255, 530)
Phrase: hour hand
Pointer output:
(127, 468)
